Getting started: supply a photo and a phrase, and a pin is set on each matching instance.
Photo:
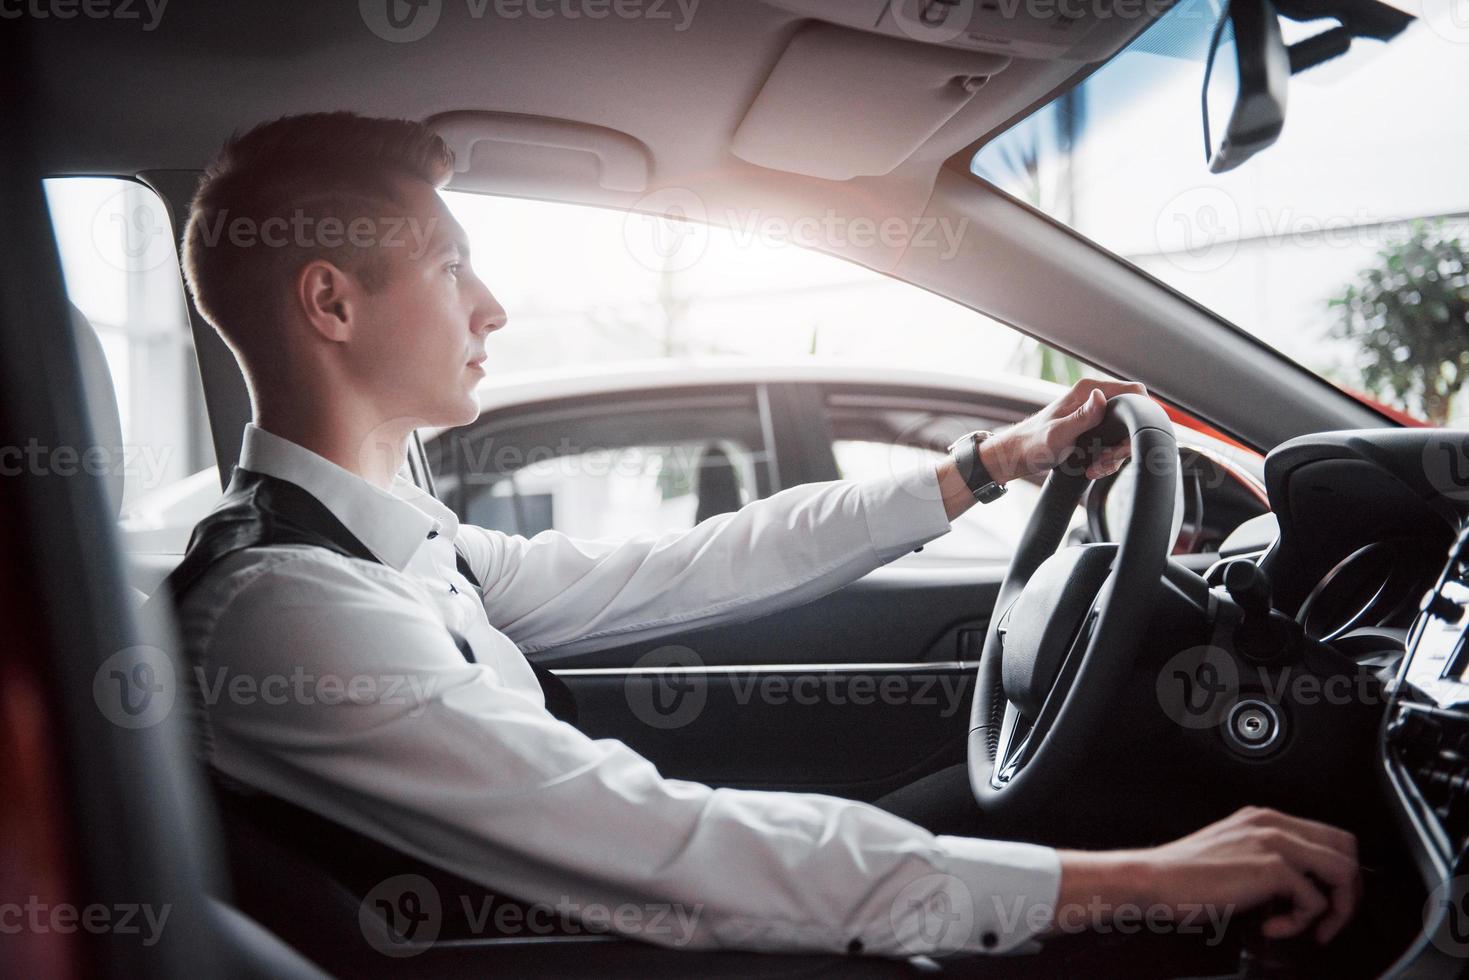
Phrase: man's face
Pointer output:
(421, 342)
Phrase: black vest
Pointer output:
(262, 511)
(299, 873)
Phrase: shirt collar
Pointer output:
(392, 523)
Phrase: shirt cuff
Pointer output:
(904, 511)
(1010, 889)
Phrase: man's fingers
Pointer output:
(1108, 388)
(1337, 871)
(1307, 902)
(1109, 461)
(1113, 388)
(1090, 411)
(1104, 466)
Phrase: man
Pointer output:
(320, 250)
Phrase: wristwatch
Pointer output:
(965, 451)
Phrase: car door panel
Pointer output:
(850, 731)
(856, 693)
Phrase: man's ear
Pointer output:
(329, 298)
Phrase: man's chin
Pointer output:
(447, 413)
(466, 412)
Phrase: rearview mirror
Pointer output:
(1245, 80)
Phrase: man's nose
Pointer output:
(489, 315)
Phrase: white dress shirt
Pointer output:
(332, 682)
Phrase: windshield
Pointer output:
(1343, 246)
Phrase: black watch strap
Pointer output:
(977, 478)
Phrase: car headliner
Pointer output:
(116, 99)
(167, 98)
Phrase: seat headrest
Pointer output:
(102, 410)
(717, 487)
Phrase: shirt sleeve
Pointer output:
(415, 747)
(797, 545)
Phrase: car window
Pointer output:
(596, 296)
(121, 271)
(606, 468)
(602, 290)
(1343, 245)
(876, 433)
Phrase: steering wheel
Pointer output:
(1066, 625)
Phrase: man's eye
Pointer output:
(453, 269)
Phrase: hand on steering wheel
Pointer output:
(1036, 444)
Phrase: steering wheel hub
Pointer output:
(1045, 622)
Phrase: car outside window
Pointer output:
(593, 308)
(877, 433)
(606, 468)
(121, 271)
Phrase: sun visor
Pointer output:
(513, 145)
(841, 103)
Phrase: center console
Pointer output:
(1425, 760)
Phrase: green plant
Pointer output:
(1409, 312)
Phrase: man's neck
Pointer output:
(374, 451)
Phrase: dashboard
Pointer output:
(1372, 557)
(1214, 495)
